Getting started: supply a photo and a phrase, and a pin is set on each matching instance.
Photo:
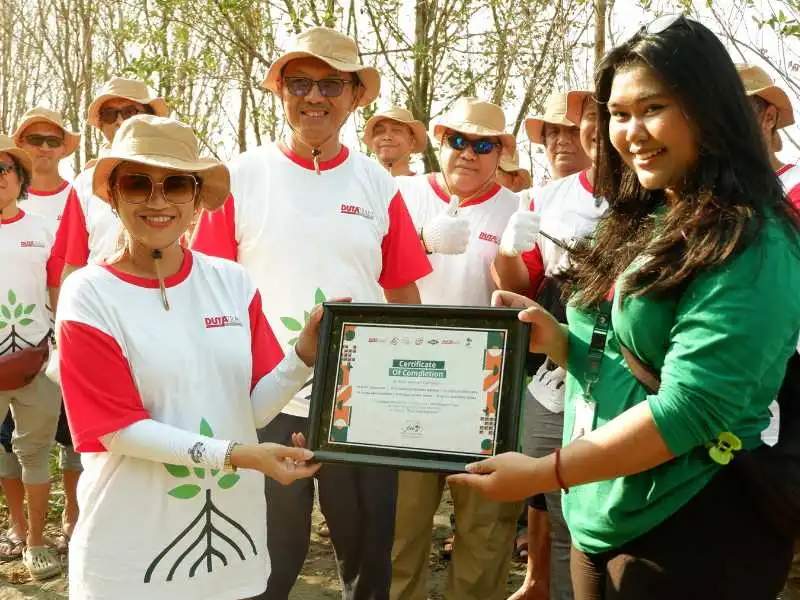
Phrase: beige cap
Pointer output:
(8, 146)
(511, 165)
(575, 100)
(555, 112)
(40, 114)
(162, 142)
(332, 48)
(758, 83)
(476, 117)
(129, 89)
(399, 115)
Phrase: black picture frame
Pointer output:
(326, 371)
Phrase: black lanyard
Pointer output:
(597, 347)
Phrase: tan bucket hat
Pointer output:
(555, 112)
(476, 117)
(511, 165)
(162, 142)
(40, 114)
(332, 48)
(399, 115)
(575, 100)
(129, 89)
(758, 83)
(8, 146)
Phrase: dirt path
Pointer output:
(318, 580)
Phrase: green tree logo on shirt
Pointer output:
(15, 315)
(209, 526)
(296, 326)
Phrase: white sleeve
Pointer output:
(278, 387)
(162, 443)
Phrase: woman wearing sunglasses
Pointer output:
(168, 366)
(28, 275)
(683, 317)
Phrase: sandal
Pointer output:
(11, 547)
(521, 546)
(42, 562)
(323, 530)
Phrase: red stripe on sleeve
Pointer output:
(535, 264)
(74, 242)
(264, 345)
(215, 233)
(100, 395)
(404, 260)
(794, 196)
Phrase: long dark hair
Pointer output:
(725, 197)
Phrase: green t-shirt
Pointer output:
(721, 348)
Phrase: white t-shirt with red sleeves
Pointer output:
(305, 237)
(26, 271)
(460, 279)
(790, 177)
(89, 230)
(149, 530)
(49, 205)
(569, 211)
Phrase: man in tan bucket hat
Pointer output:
(43, 135)
(774, 112)
(394, 135)
(559, 136)
(461, 214)
(311, 219)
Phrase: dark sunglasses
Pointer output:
(109, 115)
(329, 87)
(6, 168)
(659, 25)
(480, 146)
(37, 140)
(138, 188)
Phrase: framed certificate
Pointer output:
(416, 387)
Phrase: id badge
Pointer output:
(584, 417)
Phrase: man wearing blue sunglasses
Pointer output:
(461, 214)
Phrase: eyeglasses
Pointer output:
(6, 168)
(138, 188)
(37, 140)
(329, 87)
(109, 115)
(659, 25)
(480, 146)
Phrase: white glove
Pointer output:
(447, 233)
(521, 231)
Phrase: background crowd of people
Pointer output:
(172, 302)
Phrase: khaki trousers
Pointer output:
(792, 591)
(481, 558)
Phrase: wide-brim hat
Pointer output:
(575, 100)
(555, 112)
(476, 117)
(334, 49)
(167, 143)
(757, 82)
(398, 115)
(511, 165)
(40, 114)
(8, 146)
(128, 89)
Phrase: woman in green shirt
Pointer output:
(697, 263)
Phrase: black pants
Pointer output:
(714, 547)
(359, 506)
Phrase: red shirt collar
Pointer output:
(584, 179)
(146, 282)
(59, 189)
(13, 219)
(783, 169)
(490, 193)
(306, 163)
